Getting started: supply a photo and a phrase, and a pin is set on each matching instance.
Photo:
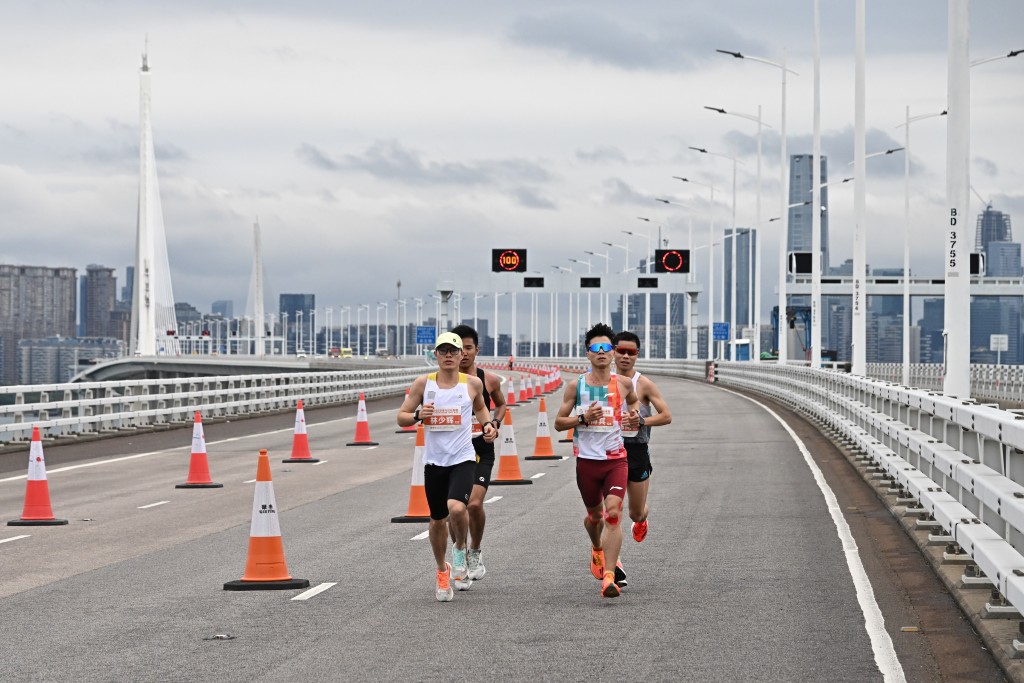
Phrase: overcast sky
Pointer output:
(401, 140)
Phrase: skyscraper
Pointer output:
(800, 217)
(993, 226)
(223, 308)
(35, 302)
(100, 295)
(746, 245)
(996, 314)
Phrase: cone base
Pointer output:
(511, 482)
(363, 443)
(301, 460)
(565, 441)
(243, 585)
(37, 522)
(406, 519)
(188, 485)
(543, 457)
(405, 431)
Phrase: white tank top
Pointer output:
(447, 439)
(601, 440)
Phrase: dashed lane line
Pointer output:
(322, 462)
(14, 538)
(420, 537)
(538, 475)
(153, 505)
(315, 590)
(493, 499)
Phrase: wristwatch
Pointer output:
(416, 416)
(642, 421)
(583, 420)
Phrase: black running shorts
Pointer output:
(447, 483)
(639, 459)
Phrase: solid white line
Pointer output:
(316, 590)
(538, 475)
(153, 505)
(493, 499)
(320, 463)
(13, 538)
(249, 481)
(881, 644)
(420, 537)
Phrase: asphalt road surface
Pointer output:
(743, 575)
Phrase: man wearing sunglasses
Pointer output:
(449, 399)
(484, 449)
(627, 347)
(592, 407)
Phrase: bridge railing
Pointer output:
(63, 410)
(959, 464)
(989, 382)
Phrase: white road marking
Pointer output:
(249, 481)
(874, 623)
(538, 475)
(315, 590)
(320, 463)
(420, 537)
(13, 538)
(153, 505)
(493, 499)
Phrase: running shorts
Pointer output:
(639, 458)
(447, 483)
(598, 479)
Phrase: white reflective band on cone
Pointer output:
(36, 463)
(198, 440)
(264, 511)
(508, 441)
(417, 467)
(300, 421)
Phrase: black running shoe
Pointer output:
(620, 576)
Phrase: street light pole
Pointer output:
(859, 294)
(816, 201)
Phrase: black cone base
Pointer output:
(405, 431)
(363, 443)
(511, 482)
(211, 485)
(301, 460)
(289, 584)
(543, 457)
(565, 441)
(37, 522)
(406, 519)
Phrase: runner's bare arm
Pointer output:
(650, 391)
(494, 389)
(632, 402)
(406, 414)
(566, 418)
(483, 416)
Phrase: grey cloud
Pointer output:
(618, 191)
(532, 199)
(668, 45)
(986, 166)
(602, 155)
(124, 155)
(389, 160)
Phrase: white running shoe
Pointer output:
(460, 572)
(444, 591)
(475, 562)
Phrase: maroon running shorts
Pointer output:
(598, 479)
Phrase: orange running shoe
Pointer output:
(608, 587)
(597, 563)
(639, 530)
(444, 591)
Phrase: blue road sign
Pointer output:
(426, 334)
(721, 331)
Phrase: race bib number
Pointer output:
(605, 424)
(445, 419)
(475, 426)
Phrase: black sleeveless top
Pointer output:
(484, 449)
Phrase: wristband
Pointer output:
(416, 416)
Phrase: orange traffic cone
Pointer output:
(362, 426)
(542, 447)
(508, 461)
(199, 467)
(524, 396)
(418, 510)
(265, 568)
(511, 400)
(300, 442)
(410, 428)
(37, 510)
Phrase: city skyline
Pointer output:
(548, 124)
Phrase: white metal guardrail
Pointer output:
(959, 463)
(989, 382)
(62, 410)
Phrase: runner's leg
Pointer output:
(477, 516)
(637, 491)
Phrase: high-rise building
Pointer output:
(35, 302)
(100, 295)
(998, 314)
(746, 245)
(129, 285)
(55, 359)
(297, 308)
(800, 217)
(993, 226)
